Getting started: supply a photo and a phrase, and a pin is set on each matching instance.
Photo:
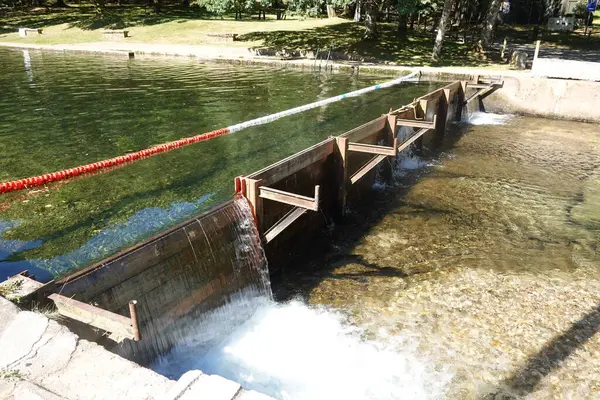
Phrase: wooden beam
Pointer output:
(253, 196)
(294, 163)
(366, 130)
(477, 85)
(366, 168)
(342, 173)
(411, 139)
(478, 93)
(283, 223)
(373, 149)
(291, 198)
(416, 123)
(94, 316)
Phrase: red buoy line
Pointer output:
(28, 183)
(40, 180)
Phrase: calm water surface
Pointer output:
(58, 111)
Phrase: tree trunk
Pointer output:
(413, 17)
(371, 32)
(442, 28)
(157, 5)
(403, 23)
(357, 11)
(60, 3)
(490, 22)
(185, 3)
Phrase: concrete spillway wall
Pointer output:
(548, 98)
(190, 268)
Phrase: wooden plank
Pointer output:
(94, 316)
(411, 139)
(366, 168)
(252, 194)
(291, 198)
(294, 163)
(372, 149)
(416, 123)
(342, 173)
(477, 94)
(283, 223)
(477, 85)
(366, 130)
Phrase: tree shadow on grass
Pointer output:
(113, 17)
(412, 50)
(527, 378)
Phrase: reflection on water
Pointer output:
(59, 111)
(107, 241)
(488, 257)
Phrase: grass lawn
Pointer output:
(81, 25)
(177, 26)
(189, 26)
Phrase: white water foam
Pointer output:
(484, 118)
(293, 351)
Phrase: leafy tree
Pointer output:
(442, 28)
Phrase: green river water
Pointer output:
(62, 110)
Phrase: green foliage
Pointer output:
(9, 288)
(309, 8)
(407, 7)
(10, 374)
(580, 10)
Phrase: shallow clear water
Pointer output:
(488, 257)
(62, 110)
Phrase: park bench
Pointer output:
(115, 34)
(29, 32)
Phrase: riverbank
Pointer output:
(249, 56)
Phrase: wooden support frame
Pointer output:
(416, 123)
(412, 139)
(95, 316)
(366, 168)
(292, 199)
(373, 149)
(478, 93)
(477, 85)
(342, 174)
(283, 223)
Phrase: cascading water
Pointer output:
(484, 118)
(293, 350)
(198, 267)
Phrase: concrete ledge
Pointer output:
(548, 98)
(42, 359)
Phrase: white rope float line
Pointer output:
(320, 103)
